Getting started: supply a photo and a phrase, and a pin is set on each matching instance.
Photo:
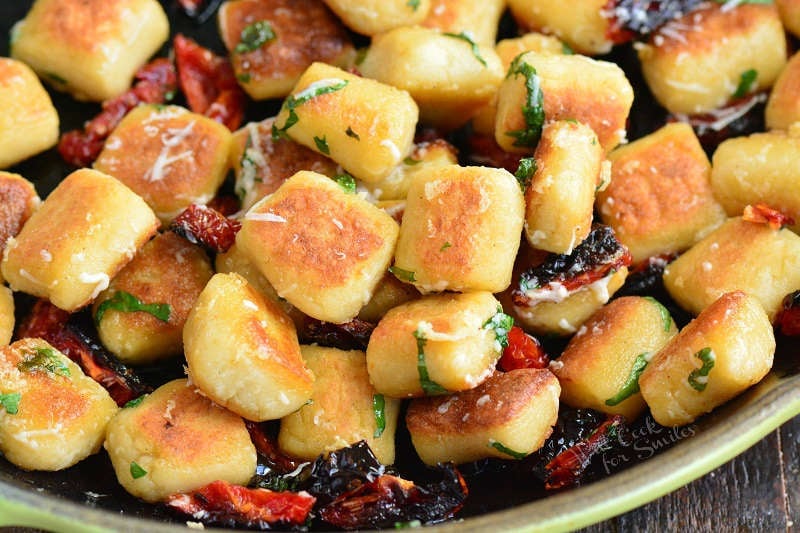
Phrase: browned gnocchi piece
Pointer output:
(790, 15)
(28, 120)
(371, 17)
(52, 415)
(696, 63)
(18, 201)
(461, 229)
(435, 344)
(737, 256)
(6, 315)
(89, 48)
(722, 352)
(783, 106)
(69, 255)
(660, 200)
(169, 156)
(344, 409)
(242, 351)
(140, 317)
(476, 18)
(508, 416)
(600, 367)
(267, 65)
(177, 440)
(389, 293)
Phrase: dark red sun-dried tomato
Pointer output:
(220, 503)
(155, 83)
(200, 224)
(352, 335)
(764, 214)
(484, 150)
(788, 319)
(209, 83)
(523, 351)
(268, 448)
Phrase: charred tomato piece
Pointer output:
(203, 225)
(523, 351)
(352, 335)
(788, 319)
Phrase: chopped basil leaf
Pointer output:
(413, 4)
(567, 49)
(403, 275)
(350, 133)
(10, 402)
(698, 378)
(243, 77)
(666, 318)
(631, 385)
(532, 109)
(501, 324)
(746, 80)
(135, 401)
(379, 409)
(445, 246)
(346, 182)
(464, 36)
(429, 387)
(500, 447)
(45, 360)
(322, 145)
(56, 78)
(294, 100)
(253, 36)
(137, 471)
(169, 96)
(412, 523)
(525, 172)
(410, 161)
(126, 302)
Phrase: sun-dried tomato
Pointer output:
(65, 333)
(629, 19)
(788, 319)
(523, 351)
(226, 204)
(352, 335)
(268, 448)
(566, 468)
(155, 83)
(221, 503)
(200, 224)
(484, 150)
(209, 83)
(764, 214)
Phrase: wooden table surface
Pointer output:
(757, 491)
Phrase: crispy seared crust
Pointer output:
(18, 201)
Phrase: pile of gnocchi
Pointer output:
(355, 205)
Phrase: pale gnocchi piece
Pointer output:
(366, 126)
(69, 255)
(28, 120)
(89, 48)
(18, 201)
(461, 229)
(508, 416)
(344, 408)
(582, 24)
(371, 17)
(559, 202)
(52, 415)
(140, 317)
(262, 164)
(177, 440)
(242, 351)
(660, 197)
(272, 42)
(322, 249)
(6, 315)
(389, 293)
(439, 343)
(600, 367)
(697, 62)
(477, 18)
(169, 156)
(737, 256)
(722, 352)
(761, 168)
(573, 87)
(783, 106)
(448, 75)
(790, 15)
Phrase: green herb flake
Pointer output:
(379, 409)
(746, 80)
(500, 447)
(410, 161)
(350, 133)
(501, 324)
(56, 78)
(698, 378)
(346, 182)
(403, 275)
(137, 471)
(413, 4)
(525, 172)
(322, 145)
(125, 302)
(631, 385)
(405, 525)
(134, 402)
(445, 246)
(243, 77)
(429, 387)
(464, 36)
(169, 96)
(10, 402)
(43, 360)
(293, 101)
(666, 318)
(533, 108)
(567, 49)
(253, 36)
